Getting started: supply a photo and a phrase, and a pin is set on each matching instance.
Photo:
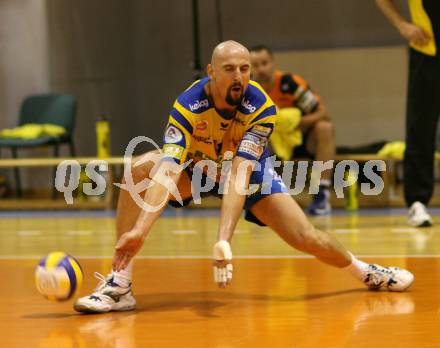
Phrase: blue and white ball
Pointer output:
(58, 276)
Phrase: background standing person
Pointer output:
(423, 103)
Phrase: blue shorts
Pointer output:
(269, 183)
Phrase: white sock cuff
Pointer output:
(325, 183)
(352, 257)
(123, 277)
(357, 267)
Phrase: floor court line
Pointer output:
(347, 230)
(27, 233)
(184, 232)
(202, 212)
(209, 257)
(79, 233)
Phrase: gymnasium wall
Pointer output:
(92, 57)
(131, 58)
(363, 88)
(24, 64)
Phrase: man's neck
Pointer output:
(270, 84)
(224, 109)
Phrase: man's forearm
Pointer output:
(309, 120)
(233, 202)
(390, 11)
(153, 197)
(156, 197)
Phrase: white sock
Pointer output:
(123, 278)
(357, 268)
(325, 183)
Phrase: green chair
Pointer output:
(46, 108)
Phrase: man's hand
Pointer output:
(414, 34)
(222, 263)
(408, 30)
(126, 248)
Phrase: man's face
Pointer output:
(262, 66)
(231, 75)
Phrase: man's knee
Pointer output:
(311, 240)
(305, 235)
(324, 128)
(141, 167)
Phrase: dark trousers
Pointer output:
(422, 113)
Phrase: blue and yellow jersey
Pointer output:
(196, 130)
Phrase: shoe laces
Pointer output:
(104, 281)
(380, 269)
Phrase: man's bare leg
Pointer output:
(321, 143)
(127, 210)
(280, 212)
(114, 293)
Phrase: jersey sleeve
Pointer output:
(177, 135)
(258, 131)
(304, 97)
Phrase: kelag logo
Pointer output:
(199, 104)
(248, 106)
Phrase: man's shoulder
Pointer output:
(289, 82)
(194, 99)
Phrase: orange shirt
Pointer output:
(292, 90)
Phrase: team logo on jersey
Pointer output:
(251, 148)
(175, 151)
(173, 135)
(199, 104)
(223, 126)
(206, 140)
(248, 106)
(257, 139)
(201, 125)
(253, 144)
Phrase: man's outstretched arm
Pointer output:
(233, 200)
(232, 205)
(309, 120)
(157, 196)
(408, 30)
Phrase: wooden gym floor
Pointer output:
(278, 297)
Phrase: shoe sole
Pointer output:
(425, 223)
(405, 288)
(87, 310)
(391, 290)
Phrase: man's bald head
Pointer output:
(229, 72)
(228, 49)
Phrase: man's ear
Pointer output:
(210, 71)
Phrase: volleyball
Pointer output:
(58, 276)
